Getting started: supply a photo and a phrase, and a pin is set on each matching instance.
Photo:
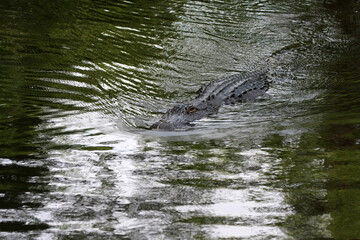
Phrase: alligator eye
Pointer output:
(191, 109)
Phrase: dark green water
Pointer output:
(80, 81)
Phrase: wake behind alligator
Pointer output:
(243, 87)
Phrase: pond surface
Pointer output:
(81, 82)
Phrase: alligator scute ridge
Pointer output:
(242, 87)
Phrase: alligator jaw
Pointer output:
(167, 126)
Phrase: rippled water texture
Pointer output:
(81, 82)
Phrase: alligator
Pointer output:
(243, 87)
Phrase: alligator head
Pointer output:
(183, 114)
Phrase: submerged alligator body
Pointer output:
(228, 90)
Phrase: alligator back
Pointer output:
(241, 87)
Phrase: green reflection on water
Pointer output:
(63, 58)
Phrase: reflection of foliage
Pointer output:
(341, 131)
(320, 176)
(303, 174)
(344, 194)
(347, 12)
(84, 55)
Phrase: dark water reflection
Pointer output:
(81, 81)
